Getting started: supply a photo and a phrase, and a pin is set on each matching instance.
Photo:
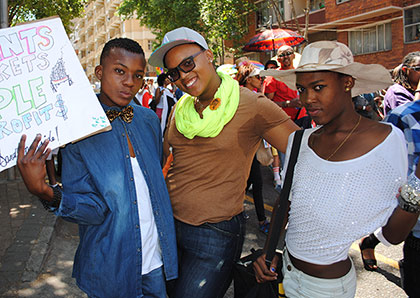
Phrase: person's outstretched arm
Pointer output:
(402, 222)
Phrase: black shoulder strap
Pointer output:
(280, 210)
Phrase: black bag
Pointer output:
(245, 284)
(152, 105)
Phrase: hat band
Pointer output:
(315, 65)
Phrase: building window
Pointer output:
(412, 24)
(265, 11)
(341, 1)
(372, 39)
(263, 14)
(150, 45)
(317, 4)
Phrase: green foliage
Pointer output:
(28, 10)
(225, 20)
(162, 16)
(217, 20)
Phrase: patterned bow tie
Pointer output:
(126, 114)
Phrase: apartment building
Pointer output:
(99, 24)
(380, 31)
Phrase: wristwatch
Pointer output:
(55, 202)
(409, 199)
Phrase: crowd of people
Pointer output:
(146, 235)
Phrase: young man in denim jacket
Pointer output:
(114, 189)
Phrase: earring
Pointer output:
(347, 89)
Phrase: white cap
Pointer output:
(175, 38)
(254, 72)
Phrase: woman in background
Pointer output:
(249, 77)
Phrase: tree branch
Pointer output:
(292, 6)
(279, 15)
(308, 3)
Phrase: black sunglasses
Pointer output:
(185, 66)
(285, 54)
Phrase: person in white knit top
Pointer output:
(345, 185)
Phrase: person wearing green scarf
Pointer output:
(214, 133)
(209, 122)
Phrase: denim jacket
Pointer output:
(99, 194)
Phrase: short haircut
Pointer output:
(273, 62)
(121, 43)
(161, 79)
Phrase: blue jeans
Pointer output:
(206, 255)
(153, 284)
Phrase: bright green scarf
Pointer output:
(188, 121)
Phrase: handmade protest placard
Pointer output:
(43, 89)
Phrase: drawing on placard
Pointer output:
(39, 71)
(62, 109)
(99, 121)
(59, 75)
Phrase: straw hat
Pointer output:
(337, 57)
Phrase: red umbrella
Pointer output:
(273, 39)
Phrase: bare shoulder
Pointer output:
(375, 132)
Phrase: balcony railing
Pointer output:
(114, 22)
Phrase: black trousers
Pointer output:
(255, 178)
(411, 266)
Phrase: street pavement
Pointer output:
(26, 231)
(37, 250)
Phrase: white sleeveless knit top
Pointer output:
(335, 203)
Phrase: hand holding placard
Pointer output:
(43, 89)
